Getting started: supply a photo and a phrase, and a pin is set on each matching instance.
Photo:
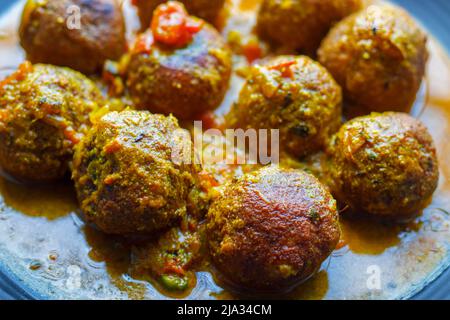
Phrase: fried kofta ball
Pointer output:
(301, 24)
(44, 112)
(80, 34)
(181, 68)
(295, 95)
(378, 56)
(208, 10)
(384, 165)
(272, 229)
(125, 175)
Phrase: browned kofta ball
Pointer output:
(80, 34)
(126, 177)
(272, 229)
(384, 165)
(301, 24)
(181, 68)
(44, 112)
(378, 56)
(205, 9)
(295, 95)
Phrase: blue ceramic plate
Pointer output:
(433, 14)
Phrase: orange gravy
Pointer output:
(44, 242)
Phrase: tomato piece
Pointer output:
(172, 25)
(50, 109)
(112, 147)
(285, 68)
(252, 51)
(143, 43)
(207, 180)
(20, 74)
(193, 26)
(110, 180)
(172, 267)
(71, 135)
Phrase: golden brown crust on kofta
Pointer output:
(47, 38)
(44, 113)
(271, 229)
(185, 82)
(378, 56)
(301, 24)
(306, 105)
(384, 165)
(125, 177)
(205, 9)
